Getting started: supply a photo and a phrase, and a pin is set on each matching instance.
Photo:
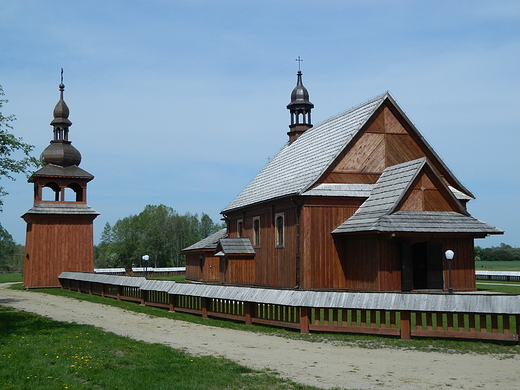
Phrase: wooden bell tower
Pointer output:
(60, 234)
(300, 108)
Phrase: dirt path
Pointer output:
(318, 364)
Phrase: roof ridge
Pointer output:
(362, 104)
(347, 140)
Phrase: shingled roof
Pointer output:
(298, 165)
(234, 246)
(209, 242)
(380, 211)
(52, 170)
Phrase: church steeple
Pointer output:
(300, 108)
(60, 151)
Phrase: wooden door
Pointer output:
(427, 265)
(434, 277)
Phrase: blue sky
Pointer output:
(183, 102)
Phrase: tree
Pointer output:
(10, 146)
(158, 231)
(7, 249)
(504, 252)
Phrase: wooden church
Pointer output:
(59, 233)
(359, 202)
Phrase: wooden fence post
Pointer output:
(144, 297)
(205, 306)
(406, 333)
(173, 302)
(119, 292)
(305, 320)
(249, 312)
(518, 329)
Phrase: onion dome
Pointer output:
(299, 94)
(61, 111)
(60, 151)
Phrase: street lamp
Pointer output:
(449, 255)
(145, 259)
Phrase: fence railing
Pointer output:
(405, 315)
(507, 276)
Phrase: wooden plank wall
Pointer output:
(285, 262)
(321, 264)
(364, 255)
(463, 263)
(193, 269)
(361, 263)
(207, 272)
(239, 271)
(274, 266)
(54, 245)
(387, 140)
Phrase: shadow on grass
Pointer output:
(20, 323)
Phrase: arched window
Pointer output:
(256, 231)
(78, 193)
(240, 225)
(279, 222)
(51, 192)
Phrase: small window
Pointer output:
(239, 228)
(256, 231)
(279, 220)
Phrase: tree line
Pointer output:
(158, 231)
(11, 253)
(503, 252)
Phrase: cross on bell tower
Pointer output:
(59, 234)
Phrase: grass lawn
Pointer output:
(8, 278)
(498, 286)
(40, 354)
(498, 265)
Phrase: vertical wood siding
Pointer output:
(237, 270)
(463, 264)
(205, 270)
(321, 264)
(273, 266)
(55, 245)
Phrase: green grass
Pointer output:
(498, 265)
(8, 278)
(364, 341)
(498, 286)
(40, 354)
(177, 278)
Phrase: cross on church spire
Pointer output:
(299, 63)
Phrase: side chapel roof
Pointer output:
(380, 212)
(298, 165)
(209, 242)
(234, 246)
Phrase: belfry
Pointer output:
(60, 234)
(300, 108)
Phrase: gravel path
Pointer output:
(318, 364)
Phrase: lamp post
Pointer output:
(145, 259)
(449, 255)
